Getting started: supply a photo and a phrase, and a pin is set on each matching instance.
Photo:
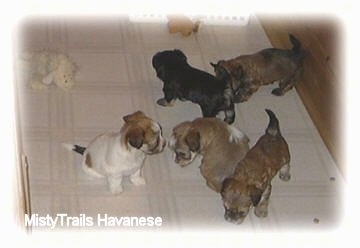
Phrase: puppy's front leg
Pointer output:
(261, 210)
(137, 179)
(165, 103)
(115, 183)
(246, 91)
(169, 96)
(207, 110)
(284, 173)
(229, 114)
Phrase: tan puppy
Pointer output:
(115, 155)
(220, 145)
(250, 185)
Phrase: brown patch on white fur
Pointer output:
(114, 155)
(88, 161)
(139, 130)
(212, 138)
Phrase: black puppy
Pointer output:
(184, 82)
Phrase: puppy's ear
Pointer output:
(182, 128)
(193, 140)
(221, 72)
(213, 65)
(255, 195)
(225, 184)
(161, 72)
(133, 117)
(180, 54)
(135, 137)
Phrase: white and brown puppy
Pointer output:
(250, 185)
(117, 154)
(220, 145)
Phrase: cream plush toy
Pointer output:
(47, 67)
(180, 23)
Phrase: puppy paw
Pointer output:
(240, 98)
(229, 120)
(284, 176)
(138, 180)
(116, 189)
(163, 102)
(237, 99)
(277, 92)
(261, 211)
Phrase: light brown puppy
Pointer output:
(250, 185)
(220, 145)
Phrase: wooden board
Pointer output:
(321, 86)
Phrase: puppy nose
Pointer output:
(234, 217)
(230, 214)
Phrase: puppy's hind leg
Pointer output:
(87, 166)
(284, 173)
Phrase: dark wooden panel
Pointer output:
(320, 86)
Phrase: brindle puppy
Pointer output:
(246, 73)
(250, 185)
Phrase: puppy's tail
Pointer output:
(297, 49)
(273, 127)
(75, 148)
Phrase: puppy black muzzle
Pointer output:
(158, 147)
(182, 158)
(234, 216)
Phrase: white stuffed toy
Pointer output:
(46, 68)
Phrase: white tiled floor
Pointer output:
(116, 78)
